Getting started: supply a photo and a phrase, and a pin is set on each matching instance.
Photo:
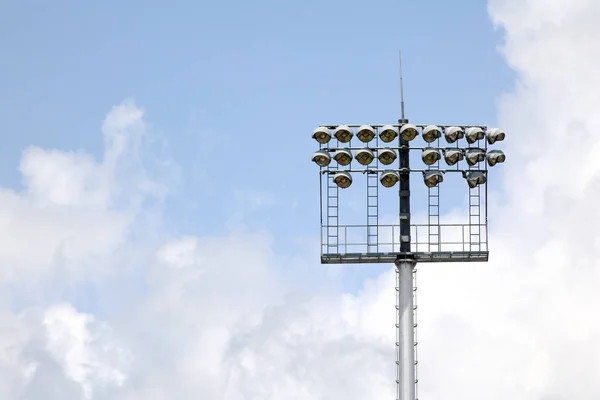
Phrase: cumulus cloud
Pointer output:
(73, 207)
(82, 356)
(62, 231)
(523, 325)
(214, 317)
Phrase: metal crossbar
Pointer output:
(453, 244)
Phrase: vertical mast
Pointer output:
(406, 363)
(401, 88)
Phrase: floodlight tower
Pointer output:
(378, 147)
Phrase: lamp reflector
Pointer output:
(432, 178)
(321, 158)
(453, 133)
(474, 178)
(365, 133)
(452, 156)
(343, 157)
(343, 133)
(474, 134)
(408, 132)
(387, 133)
(342, 179)
(495, 135)
(495, 156)
(430, 156)
(474, 156)
(389, 178)
(321, 135)
(364, 156)
(431, 133)
(386, 156)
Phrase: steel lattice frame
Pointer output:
(337, 249)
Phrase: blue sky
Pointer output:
(225, 83)
(215, 290)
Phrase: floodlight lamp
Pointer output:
(342, 179)
(452, 156)
(432, 178)
(408, 132)
(386, 156)
(495, 156)
(343, 133)
(430, 156)
(365, 133)
(474, 156)
(321, 158)
(474, 178)
(321, 135)
(364, 156)
(388, 133)
(474, 134)
(431, 133)
(453, 133)
(343, 157)
(389, 178)
(494, 135)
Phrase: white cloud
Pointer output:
(71, 208)
(522, 326)
(82, 355)
(64, 228)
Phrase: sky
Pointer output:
(159, 211)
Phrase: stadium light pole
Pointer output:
(378, 147)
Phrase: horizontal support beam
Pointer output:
(420, 257)
(396, 125)
(373, 171)
(420, 148)
(466, 225)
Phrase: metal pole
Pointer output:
(405, 342)
(405, 335)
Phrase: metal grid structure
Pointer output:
(404, 243)
(365, 242)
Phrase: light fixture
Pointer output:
(432, 178)
(321, 135)
(495, 156)
(343, 133)
(388, 133)
(430, 156)
(431, 133)
(474, 156)
(474, 134)
(408, 132)
(474, 178)
(321, 158)
(389, 178)
(386, 156)
(343, 156)
(365, 133)
(453, 133)
(342, 180)
(364, 156)
(495, 135)
(452, 156)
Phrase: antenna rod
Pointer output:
(401, 88)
